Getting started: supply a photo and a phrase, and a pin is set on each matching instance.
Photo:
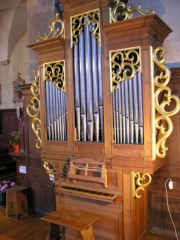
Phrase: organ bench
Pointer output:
(79, 221)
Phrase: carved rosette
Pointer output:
(140, 181)
(33, 109)
(124, 65)
(166, 104)
(56, 29)
(55, 73)
(120, 12)
(78, 22)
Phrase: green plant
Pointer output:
(15, 138)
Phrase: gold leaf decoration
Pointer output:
(124, 65)
(33, 109)
(121, 12)
(166, 104)
(55, 72)
(78, 22)
(50, 170)
(56, 29)
(140, 181)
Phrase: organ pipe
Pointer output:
(88, 77)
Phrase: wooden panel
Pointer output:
(159, 217)
(8, 116)
(88, 149)
(135, 217)
(49, 50)
(38, 180)
(108, 227)
(41, 197)
(22, 178)
(160, 222)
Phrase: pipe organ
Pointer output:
(104, 112)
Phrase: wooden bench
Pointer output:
(79, 221)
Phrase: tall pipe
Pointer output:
(95, 85)
(77, 93)
(88, 69)
(82, 85)
(140, 102)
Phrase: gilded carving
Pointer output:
(166, 104)
(56, 29)
(78, 22)
(124, 65)
(49, 169)
(121, 12)
(54, 72)
(140, 181)
(33, 109)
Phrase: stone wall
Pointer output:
(40, 16)
(19, 62)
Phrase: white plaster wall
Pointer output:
(169, 12)
(8, 73)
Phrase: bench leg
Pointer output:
(87, 233)
(54, 233)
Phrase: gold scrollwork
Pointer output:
(140, 181)
(56, 29)
(50, 170)
(78, 22)
(166, 104)
(124, 65)
(121, 12)
(54, 72)
(33, 109)
(36, 127)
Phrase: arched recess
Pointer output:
(14, 24)
(18, 26)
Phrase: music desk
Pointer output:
(79, 221)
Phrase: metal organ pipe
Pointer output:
(56, 112)
(123, 113)
(95, 86)
(77, 94)
(131, 114)
(82, 85)
(88, 67)
(128, 111)
(136, 107)
(140, 101)
(88, 87)
(48, 110)
(100, 82)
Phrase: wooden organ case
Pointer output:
(100, 97)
